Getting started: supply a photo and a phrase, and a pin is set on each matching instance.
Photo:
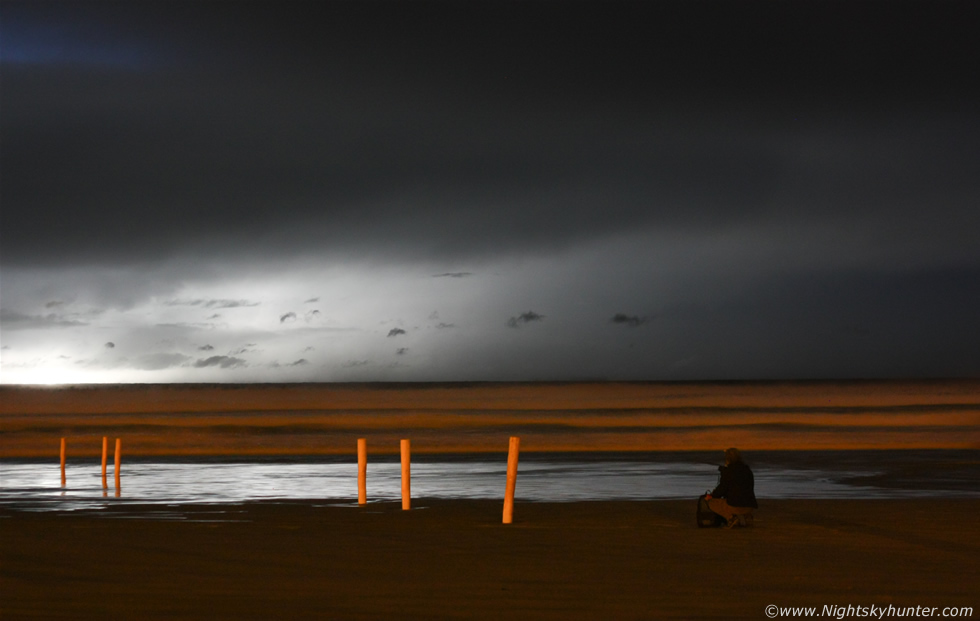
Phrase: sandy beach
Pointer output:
(317, 419)
(454, 560)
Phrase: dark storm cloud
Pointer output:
(224, 362)
(524, 318)
(468, 129)
(628, 320)
(746, 171)
(782, 320)
(395, 332)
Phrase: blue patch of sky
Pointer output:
(27, 42)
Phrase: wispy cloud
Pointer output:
(13, 320)
(224, 362)
(212, 303)
(186, 325)
(524, 318)
(628, 320)
(453, 275)
(311, 301)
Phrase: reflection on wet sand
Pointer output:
(541, 477)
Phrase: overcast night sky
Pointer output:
(371, 191)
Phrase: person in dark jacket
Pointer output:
(734, 497)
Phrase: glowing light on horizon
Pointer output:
(64, 375)
(53, 376)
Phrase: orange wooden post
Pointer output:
(361, 471)
(406, 475)
(105, 452)
(118, 457)
(63, 479)
(513, 450)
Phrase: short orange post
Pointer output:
(513, 450)
(63, 479)
(361, 471)
(406, 475)
(118, 457)
(105, 452)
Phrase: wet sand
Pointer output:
(453, 559)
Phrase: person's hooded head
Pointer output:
(732, 455)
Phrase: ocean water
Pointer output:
(31, 485)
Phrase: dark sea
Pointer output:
(33, 485)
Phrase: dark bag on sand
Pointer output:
(706, 517)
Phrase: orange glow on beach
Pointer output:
(329, 419)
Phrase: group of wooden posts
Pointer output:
(105, 455)
(406, 453)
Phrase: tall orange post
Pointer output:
(361, 471)
(118, 458)
(105, 452)
(513, 450)
(63, 479)
(406, 475)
